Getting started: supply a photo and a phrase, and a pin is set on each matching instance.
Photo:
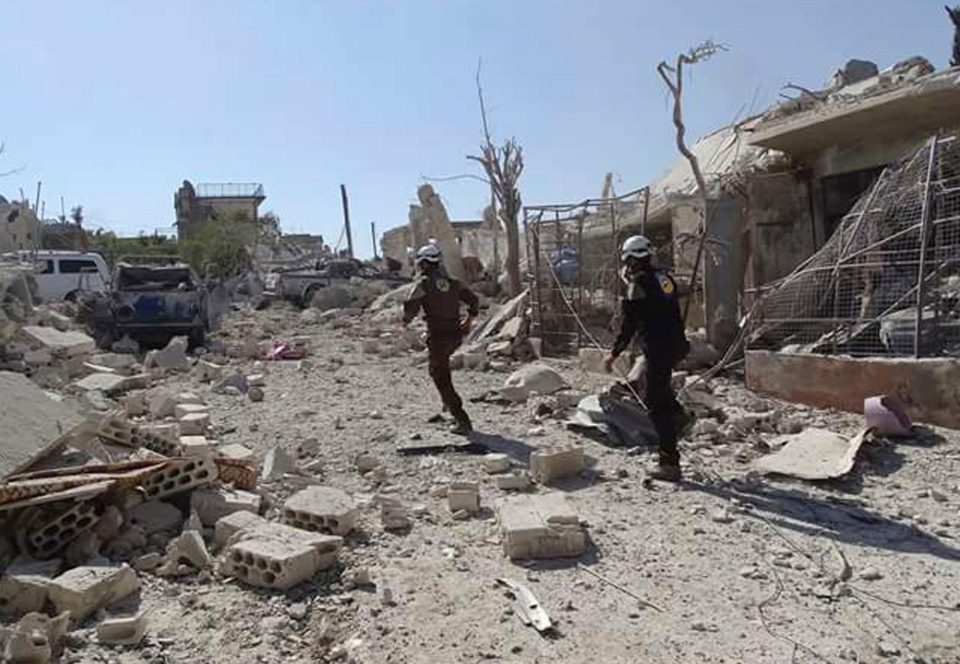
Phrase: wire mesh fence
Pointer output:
(888, 281)
(574, 267)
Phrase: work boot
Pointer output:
(462, 426)
(665, 473)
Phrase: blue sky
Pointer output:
(113, 103)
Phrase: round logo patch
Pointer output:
(666, 284)
(442, 285)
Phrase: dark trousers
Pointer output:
(663, 408)
(440, 346)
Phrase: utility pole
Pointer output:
(346, 219)
(373, 239)
(36, 205)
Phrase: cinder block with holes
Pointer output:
(180, 475)
(321, 508)
(119, 430)
(271, 555)
(46, 537)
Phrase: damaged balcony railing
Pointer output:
(888, 281)
(574, 263)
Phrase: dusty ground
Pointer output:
(744, 570)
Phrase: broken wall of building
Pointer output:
(782, 228)
(19, 228)
(429, 220)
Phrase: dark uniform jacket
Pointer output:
(651, 308)
(439, 296)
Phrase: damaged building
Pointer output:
(198, 204)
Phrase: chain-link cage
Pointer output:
(888, 281)
(574, 268)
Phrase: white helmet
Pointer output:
(635, 246)
(429, 253)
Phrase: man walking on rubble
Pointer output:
(650, 308)
(440, 296)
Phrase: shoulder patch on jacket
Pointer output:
(666, 283)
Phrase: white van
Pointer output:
(62, 274)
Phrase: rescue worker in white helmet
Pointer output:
(651, 309)
(439, 297)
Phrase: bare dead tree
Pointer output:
(673, 78)
(955, 17)
(503, 166)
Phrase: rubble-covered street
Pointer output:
(727, 566)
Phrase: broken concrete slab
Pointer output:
(61, 344)
(123, 630)
(186, 549)
(534, 378)
(277, 462)
(213, 504)
(322, 509)
(83, 590)
(813, 454)
(544, 526)
(41, 423)
(172, 358)
(119, 362)
(112, 383)
(155, 516)
(548, 465)
(23, 587)
(34, 639)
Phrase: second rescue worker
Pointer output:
(439, 296)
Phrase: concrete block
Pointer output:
(256, 380)
(84, 590)
(235, 451)
(463, 496)
(322, 509)
(61, 344)
(37, 358)
(272, 555)
(55, 319)
(195, 446)
(231, 524)
(181, 410)
(519, 482)
(155, 516)
(213, 504)
(495, 463)
(108, 383)
(554, 464)
(180, 475)
(393, 513)
(541, 527)
(123, 630)
(194, 424)
(118, 429)
(189, 398)
(50, 536)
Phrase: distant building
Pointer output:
(206, 201)
(19, 228)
